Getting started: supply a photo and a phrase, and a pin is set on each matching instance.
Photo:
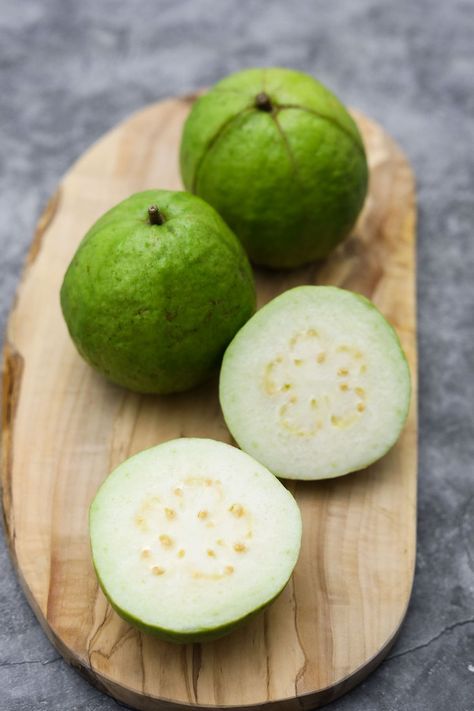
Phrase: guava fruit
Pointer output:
(156, 290)
(316, 384)
(191, 538)
(280, 158)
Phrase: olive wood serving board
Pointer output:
(65, 428)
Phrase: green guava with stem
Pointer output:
(191, 538)
(156, 290)
(281, 159)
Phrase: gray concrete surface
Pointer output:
(70, 70)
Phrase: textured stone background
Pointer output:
(71, 70)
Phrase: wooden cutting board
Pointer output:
(65, 429)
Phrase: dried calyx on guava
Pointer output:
(316, 384)
(191, 538)
(281, 159)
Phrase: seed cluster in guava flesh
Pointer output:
(281, 159)
(342, 372)
(198, 500)
(192, 537)
(316, 384)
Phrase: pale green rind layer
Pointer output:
(168, 635)
(202, 610)
(290, 183)
(252, 411)
(152, 307)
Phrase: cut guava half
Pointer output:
(192, 537)
(316, 384)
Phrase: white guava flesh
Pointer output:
(316, 384)
(191, 537)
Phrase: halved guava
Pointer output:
(316, 384)
(192, 537)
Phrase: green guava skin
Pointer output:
(153, 307)
(290, 182)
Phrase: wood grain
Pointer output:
(65, 428)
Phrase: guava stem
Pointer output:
(154, 215)
(262, 102)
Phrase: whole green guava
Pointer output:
(280, 158)
(156, 290)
